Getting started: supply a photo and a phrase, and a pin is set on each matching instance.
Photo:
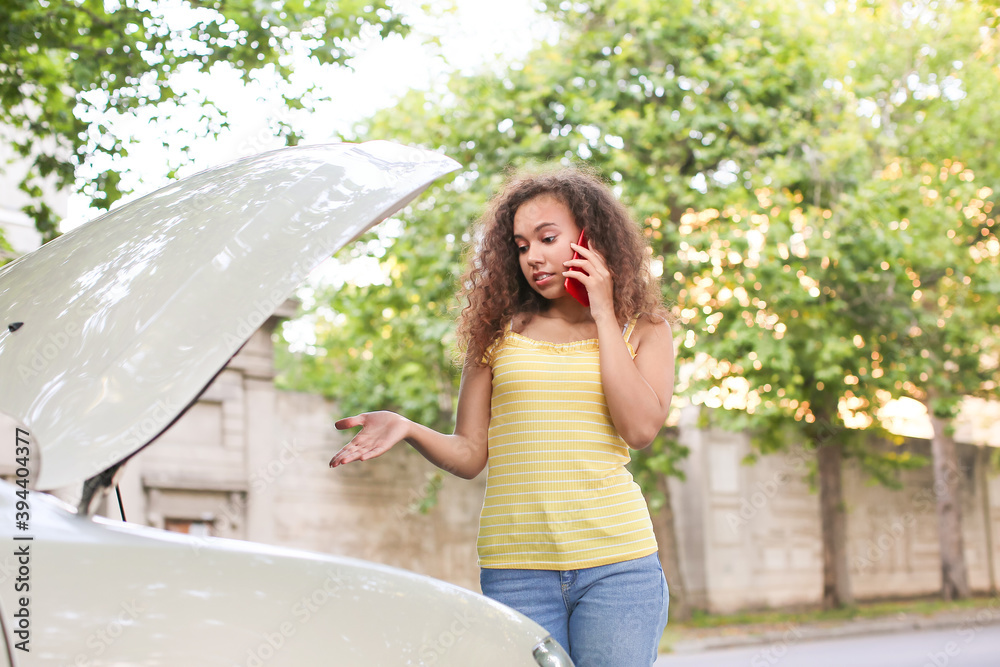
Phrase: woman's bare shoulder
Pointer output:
(653, 330)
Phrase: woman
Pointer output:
(553, 395)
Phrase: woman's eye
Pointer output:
(522, 248)
(549, 239)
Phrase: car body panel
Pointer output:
(107, 334)
(106, 593)
(122, 322)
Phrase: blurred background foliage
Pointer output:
(818, 182)
(67, 65)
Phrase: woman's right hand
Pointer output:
(379, 432)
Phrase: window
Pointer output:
(189, 527)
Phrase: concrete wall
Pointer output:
(759, 532)
(250, 462)
(367, 510)
(751, 533)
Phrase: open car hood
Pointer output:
(110, 331)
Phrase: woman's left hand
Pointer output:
(591, 270)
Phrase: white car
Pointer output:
(107, 334)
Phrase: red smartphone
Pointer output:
(575, 288)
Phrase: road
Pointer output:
(969, 646)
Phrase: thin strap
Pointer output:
(630, 327)
(627, 334)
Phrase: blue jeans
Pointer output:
(606, 616)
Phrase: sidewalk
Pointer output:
(685, 639)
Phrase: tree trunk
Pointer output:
(984, 481)
(666, 537)
(954, 579)
(836, 577)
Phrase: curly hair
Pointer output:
(494, 289)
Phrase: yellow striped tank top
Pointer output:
(558, 496)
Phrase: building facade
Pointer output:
(248, 461)
(17, 228)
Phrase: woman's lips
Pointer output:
(542, 279)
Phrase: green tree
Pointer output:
(940, 287)
(62, 62)
(739, 133)
(817, 321)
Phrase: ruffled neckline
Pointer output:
(584, 344)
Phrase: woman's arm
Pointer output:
(463, 453)
(638, 391)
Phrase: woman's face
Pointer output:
(543, 229)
